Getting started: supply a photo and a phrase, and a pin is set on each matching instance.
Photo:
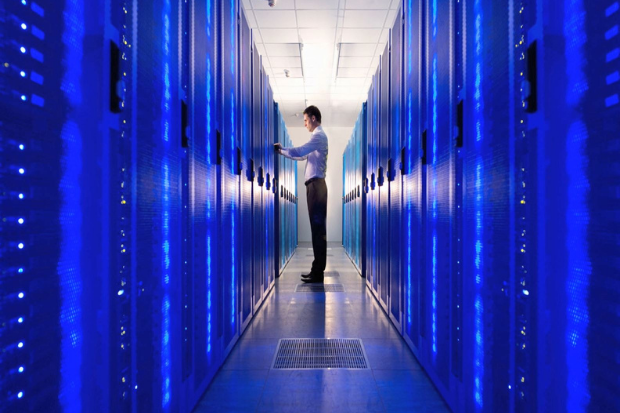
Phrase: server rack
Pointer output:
(122, 186)
(506, 166)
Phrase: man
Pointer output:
(315, 151)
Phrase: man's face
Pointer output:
(310, 123)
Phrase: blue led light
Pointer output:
(21, 270)
(20, 220)
(70, 211)
(577, 212)
(20, 245)
(20, 196)
(21, 147)
(121, 292)
(20, 344)
(20, 295)
(24, 98)
(24, 26)
(20, 320)
(21, 171)
(21, 369)
(22, 49)
(20, 394)
(526, 292)
(478, 366)
(233, 22)
(22, 73)
(166, 351)
(24, 2)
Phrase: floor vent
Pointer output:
(319, 288)
(320, 353)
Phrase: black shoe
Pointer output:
(316, 279)
(312, 277)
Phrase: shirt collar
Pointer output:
(317, 130)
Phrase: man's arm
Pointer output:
(301, 152)
(278, 147)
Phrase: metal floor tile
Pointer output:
(320, 353)
(319, 288)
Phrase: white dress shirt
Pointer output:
(315, 151)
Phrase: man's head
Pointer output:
(312, 118)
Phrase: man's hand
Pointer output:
(277, 147)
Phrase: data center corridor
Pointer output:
(152, 234)
(394, 381)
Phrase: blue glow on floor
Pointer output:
(577, 214)
(478, 209)
(70, 217)
(165, 307)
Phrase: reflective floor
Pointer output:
(395, 381)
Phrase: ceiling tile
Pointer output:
(368, 4)
(391, 17)
(360, 35)
(280, 4)
(317, 4)
(292, 96)
(357, 49)
(256, 37)
(282, 49)
(289, 81)
(261, 48)
(291, 89)
(384, 36)
(247, 5)
(353, 72)
(395, 4)
(352, 81)
(354, 62)
(293, 72)
(276, 19)
(285, 62)
(363, 18)
(251, 19)
(279, 35)
(374, 64)
(317, 35)
(317, 18)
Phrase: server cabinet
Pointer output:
(383, 199)
(395, 173)
(412, 185)
(200, 138)
(228, 179)
(246, 62)
(372, 167)
(269, 198)
(256, 167)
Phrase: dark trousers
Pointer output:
(316, 192)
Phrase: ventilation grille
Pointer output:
(320, 353)
(319, 288)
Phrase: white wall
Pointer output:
(338, 138)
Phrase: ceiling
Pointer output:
(330, 49)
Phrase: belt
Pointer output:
(316, 178)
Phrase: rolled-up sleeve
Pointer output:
(301, 152)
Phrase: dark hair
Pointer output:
(313, 111)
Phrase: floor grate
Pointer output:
(320, 353)
(319, 288)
